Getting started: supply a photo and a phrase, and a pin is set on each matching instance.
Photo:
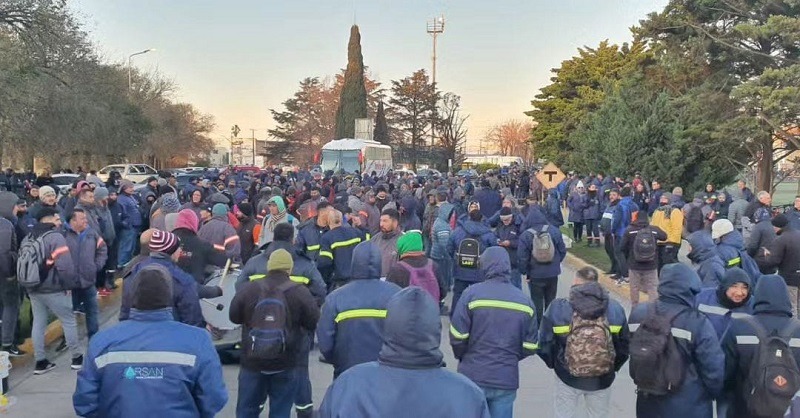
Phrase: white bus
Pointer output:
(356, 154)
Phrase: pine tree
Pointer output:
(353, 101)
(381, 132)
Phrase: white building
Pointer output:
(220, 156)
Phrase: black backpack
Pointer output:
(469, 250)
(657, 365)
(694, 219)
(644, 246)
(270, 325)
(773, 377)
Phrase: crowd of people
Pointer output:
(362, 266)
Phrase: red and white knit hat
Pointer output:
(164, 242)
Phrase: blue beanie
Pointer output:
(219, 210)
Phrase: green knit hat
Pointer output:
(280, 260)
(410, 242)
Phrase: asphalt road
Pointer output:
(50, 395)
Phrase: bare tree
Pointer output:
(451, 128)
(512, 138)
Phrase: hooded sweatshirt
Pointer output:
(440, 232)
(350, 328)
(695, 337)
(719, 309)
(269, 223)
(731, 250)
(409, 221)
(475, 230)
(589, 300)
(527, 264)
(772, 309)
(704, 255)
(489, 342)
(408, 379)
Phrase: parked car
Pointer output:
(64, 182)
(132, 172)
(190, 170)
(428, 173)
(403, 172)
(468, 172)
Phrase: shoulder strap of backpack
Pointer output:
(544, 229)
(761, 333)
(789, 330)
(265, 286)
(671, 315)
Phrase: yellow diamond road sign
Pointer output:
(550, 176)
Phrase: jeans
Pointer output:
(568, 402)
(501, 402)
(459, 286)
(59, 304)
(444, 275)
(127, 243)
(516, 278)
(255, 387)
(543, 291)
(9, 295)
(88, 298)
(622, 261)
(667, 254)
(593, 229)
(643, 281)
(609, 246)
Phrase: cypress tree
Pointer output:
(353, 101)
(381, 132)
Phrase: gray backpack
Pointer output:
(543, 249)
(31, 271)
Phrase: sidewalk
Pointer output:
(42, 393)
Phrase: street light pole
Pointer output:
(130, 64)
(434, 28)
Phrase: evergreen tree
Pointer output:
(381, 132)
(353, 101)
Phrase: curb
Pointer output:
(54, 331)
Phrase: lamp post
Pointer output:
(130, 60)
(435, 28)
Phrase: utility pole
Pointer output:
(253, 132)
(235, 134)
(435, 28)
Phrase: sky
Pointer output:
(236, 59)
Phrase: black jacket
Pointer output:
(629, 238)
(303, 313)
(197, 254)
(784, 253)
(245, 232)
